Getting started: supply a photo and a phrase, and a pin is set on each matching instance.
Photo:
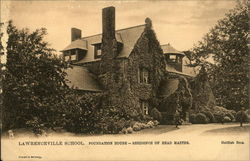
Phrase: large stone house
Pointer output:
(129, 66)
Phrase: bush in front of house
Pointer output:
(248, 114)
(232, 112)
(219, 116)
(150, 124)
(226, 119)
(200, 118)
(136, 127)
(156, 122)
(230, 115)
(129, 130)
(209, 116)
(192, 118)
(241, 115)
(156, 114)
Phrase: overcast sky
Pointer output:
(180, 23)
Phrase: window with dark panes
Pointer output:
(143, 75)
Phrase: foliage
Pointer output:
(200, 118)
(226, 119)
(209, 115)
(219, 116)
(156, 114)
(230, 115)
(192, 118)
(202, 93)
(224, 54)
(82, 114)
(129, 130)
(34, 79)
(241, 115)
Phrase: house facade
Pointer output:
(130, 67)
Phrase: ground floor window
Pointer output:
(144, 106)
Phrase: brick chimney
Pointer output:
(109, 43)
(75, 34)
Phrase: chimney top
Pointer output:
(148, 22)
(108, 23)
(75, 34)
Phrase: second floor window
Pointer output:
(98, 50)
(143, 75)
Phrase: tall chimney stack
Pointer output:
(109, 43)
(75, 34)
(108, 23)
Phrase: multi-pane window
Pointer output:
(71, 55)
(143, 75)
(144, 106)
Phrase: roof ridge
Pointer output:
(115, 31)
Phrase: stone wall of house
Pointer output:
(147, 54)
(119, 76)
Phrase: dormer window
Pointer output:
(76, 51)
(98, 50)
(143, 76)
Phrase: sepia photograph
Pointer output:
(124, 80)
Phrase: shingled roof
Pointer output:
(77, 44)
(168, 49)
(171, 69)
(81, 79)
(127, 37)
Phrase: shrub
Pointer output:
(36, 125)
(150, 124)
(131, 124)
(248, 114)
(230, 115)
(129, 130)
(147, 118)
(219, 116)
(192, 118)
(124, 131)
(241, 115)
(201, 118)
(156, 114)
(209, 115)
(156, 123)
(136, 127)
(232, 112)
(226, 119)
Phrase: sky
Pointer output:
(181, 23)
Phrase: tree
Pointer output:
(34, 84)
(224, 53)
(1, 72)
